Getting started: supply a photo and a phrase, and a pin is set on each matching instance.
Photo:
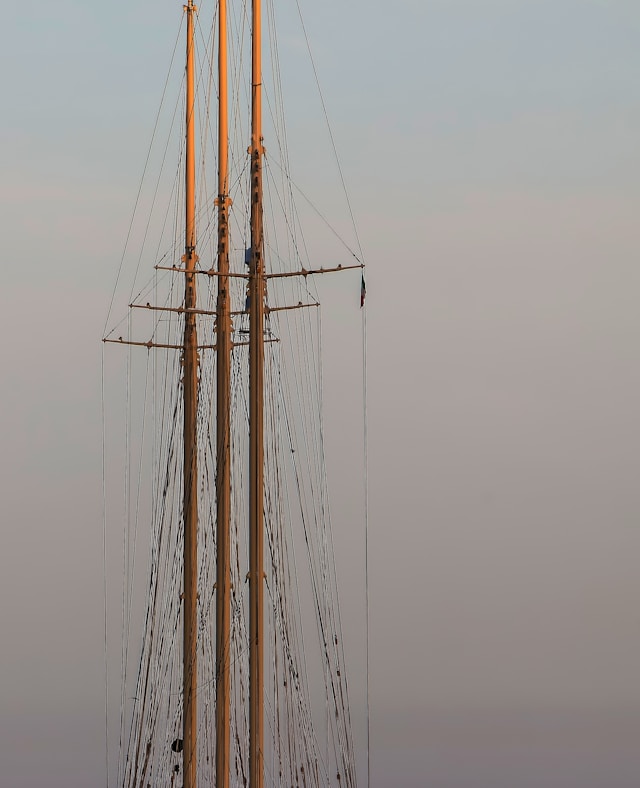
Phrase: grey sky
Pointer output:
(491, 152)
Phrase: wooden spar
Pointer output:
(190, 470)
(223, 419)
(256, 418)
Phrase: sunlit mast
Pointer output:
(223, 419)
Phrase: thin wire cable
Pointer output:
(315, 208)
(142, 177)
(329, 129)
(365, 447)
(104, 572)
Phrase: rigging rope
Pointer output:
(105, 586)
(142, 177)
(365, 449)
(329, 129)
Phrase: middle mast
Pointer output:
(256, 299)
(223, 419)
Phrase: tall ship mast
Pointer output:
(229, 703)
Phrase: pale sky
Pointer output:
(491, 154)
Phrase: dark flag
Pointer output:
(363, 292)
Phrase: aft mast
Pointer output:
(190, 468)
(256, 419)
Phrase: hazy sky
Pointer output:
(491, 153)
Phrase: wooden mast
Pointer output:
(223, 418)
(256, 418)
(190, 393)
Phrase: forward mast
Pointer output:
(190, 460)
